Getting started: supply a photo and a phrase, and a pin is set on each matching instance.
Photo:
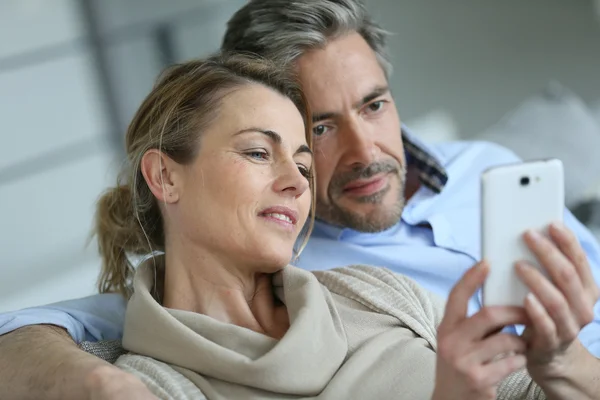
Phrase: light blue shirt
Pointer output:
(436, 241)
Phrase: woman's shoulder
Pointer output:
(369, 275)
(383, 290)
(160, 378)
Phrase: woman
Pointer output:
(219, 183)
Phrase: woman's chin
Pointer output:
(276, 261)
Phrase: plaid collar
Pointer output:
(432, 174)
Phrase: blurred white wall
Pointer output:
(459, 66)
(477, 59)
(56, 128)
(50, 109)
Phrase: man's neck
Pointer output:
(199, 282)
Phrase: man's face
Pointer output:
(359, 156)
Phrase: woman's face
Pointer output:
(246, 196)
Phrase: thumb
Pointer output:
(465, 288)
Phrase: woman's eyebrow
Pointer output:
(304, 149)
(276, 138)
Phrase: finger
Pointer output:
(548, 254)
(544, 328)
(458, 299)
(561, 271)
(489, 320)
(569, 245)
(501, 344)
(551, 301)
(496, 371)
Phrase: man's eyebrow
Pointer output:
(323, 116)
(274, 136)
(375, 93)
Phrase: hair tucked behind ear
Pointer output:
(182, 104)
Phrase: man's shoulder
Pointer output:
(451, 153)
(465, 161)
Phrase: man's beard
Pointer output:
(375, 221)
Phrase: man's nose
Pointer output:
(360, 148)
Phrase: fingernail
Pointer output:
(533, 235)
(559, 226)
(534, 301)
(529, 297)
(521, 265)
(482, 268)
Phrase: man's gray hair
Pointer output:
(282, 30)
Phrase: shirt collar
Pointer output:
(431, 172)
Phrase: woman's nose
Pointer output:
(291, 181)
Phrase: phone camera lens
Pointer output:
(525, 181)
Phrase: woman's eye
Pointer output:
(259, 155)
(320, 130)
(305, 171)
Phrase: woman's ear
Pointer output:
(160, 173)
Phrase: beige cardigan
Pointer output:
(355, 333)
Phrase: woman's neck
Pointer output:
(227, 293)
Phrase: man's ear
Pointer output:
(160, 173)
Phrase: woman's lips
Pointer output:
(280, 215)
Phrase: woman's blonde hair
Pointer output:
(183, 102)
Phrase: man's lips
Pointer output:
(366, 187)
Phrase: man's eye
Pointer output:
(320, 130)
(376, 106)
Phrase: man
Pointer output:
(383, 198)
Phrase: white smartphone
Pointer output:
(515, 198)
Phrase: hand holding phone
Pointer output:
(516, 198)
